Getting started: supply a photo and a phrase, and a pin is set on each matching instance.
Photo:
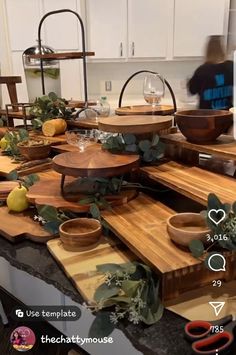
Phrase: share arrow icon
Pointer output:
(218, 306)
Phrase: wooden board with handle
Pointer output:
(80, 266)
(18, 226)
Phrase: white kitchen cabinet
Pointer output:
(107, 28)
(128, 28)
(147, 27)
(23, 20)
(62, 30)
(194, 21)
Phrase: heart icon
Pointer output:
(214, 215)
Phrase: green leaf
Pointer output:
(147, 156)
(129, 138)
(13, 175)
(37, 123)
(132, 148)
(145, 145)
(196, 247)
(155, 140)
(214, 202)
(120, 299)
(86, 201)
(49, 213)
(52, 227)
(1, 123)
(148, 317)
(101, 326)
(30, 180)
(104, 291)
(108, 267)
(95, 212)
(52, 96)
(234, 207)
(130, 287)
(23, 134)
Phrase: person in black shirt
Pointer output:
(213, 80)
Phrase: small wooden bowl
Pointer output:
(185, 227)
(34, 152)
(203, 126)
(80, 233)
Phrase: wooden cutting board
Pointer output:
(7, 165)
(18, 226)
(80, 266)
(48, 192)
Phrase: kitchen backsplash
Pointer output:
(176, 72)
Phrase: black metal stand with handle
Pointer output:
(151, 72)
(83, 50)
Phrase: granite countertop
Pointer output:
(162, 338)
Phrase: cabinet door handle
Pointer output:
(132, 49)
(121, 49)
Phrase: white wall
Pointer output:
(174, 71)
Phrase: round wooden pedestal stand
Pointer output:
(90, 163)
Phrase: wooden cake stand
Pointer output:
(134, 124)
(145, 110)
(93, 163)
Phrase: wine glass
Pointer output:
(153, 89)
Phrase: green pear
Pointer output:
(17, 200)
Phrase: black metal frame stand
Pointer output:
(151, 72)
(83, 51)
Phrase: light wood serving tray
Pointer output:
(80, 266)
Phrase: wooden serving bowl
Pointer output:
(80, 233)
(203, 126)
(34, 152)
(185, 227)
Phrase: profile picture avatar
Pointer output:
(22, 339)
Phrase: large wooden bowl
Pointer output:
(80, 233)
(185, 227)
(203, 126)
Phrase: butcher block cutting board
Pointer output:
(80, 266)
(18, 226)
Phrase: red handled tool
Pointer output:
(206, 343)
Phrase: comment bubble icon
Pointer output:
(216, 262)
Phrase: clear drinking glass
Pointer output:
(153, 89)
(80, 138)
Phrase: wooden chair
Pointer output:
(14, 109)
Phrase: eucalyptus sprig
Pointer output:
(149, 150)
(48, 107)
(11, 139)
(129, 291)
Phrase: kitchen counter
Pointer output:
(163, 338)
